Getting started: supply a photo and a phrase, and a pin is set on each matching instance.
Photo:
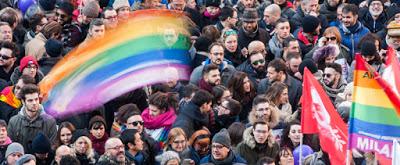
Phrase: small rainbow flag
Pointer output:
(151, 47)
(373, 120)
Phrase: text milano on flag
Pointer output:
(373, 120)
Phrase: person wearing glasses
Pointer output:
(333, 82)
(258, 142)
(115, 153)
(7, 60)
(110, 18)
(133, 120)
(264, 110)
(177, 141)
(28, 66)
(254, 67)
(221, 151)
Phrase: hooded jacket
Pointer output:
(21, 129)
(17, 74)
(251, 151)
(272, 121)
(226, 71)
(191, 119)
(373, 26)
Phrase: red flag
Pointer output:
(390, 80)
(319, 116)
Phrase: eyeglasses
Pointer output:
(5, 57)
(330, 38)
(216, 146)
(117, 147)
(328, 75)
(136, 123)
(258, 62)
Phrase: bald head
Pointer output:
(61, 151)
(256, 46)
(111, 142)
(273, 9)
(115, 149)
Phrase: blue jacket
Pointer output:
(350, 38)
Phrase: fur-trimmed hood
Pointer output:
(249, 140)
(272, 121)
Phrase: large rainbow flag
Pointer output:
(373, 120)
(151, 47)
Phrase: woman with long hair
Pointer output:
(278, 94)
(83, 148)
(232, 53)
(242, 89)
(177, 141)
(160, 115)
(64, 134)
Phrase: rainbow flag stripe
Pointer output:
(373, 120)
(151, 47)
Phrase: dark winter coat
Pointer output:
(191, 119)
(252, 152)
(47, 63)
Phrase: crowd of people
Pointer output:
(240, 106)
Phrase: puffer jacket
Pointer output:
(22, 130)
(251, 151)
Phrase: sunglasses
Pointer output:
(328, 75)
(330, 38)
(258, 62)
(62, 16)
(136, 123)
(5, 57)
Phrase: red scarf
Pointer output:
(304, 39)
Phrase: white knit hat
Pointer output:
(120, 3)
(167, 156)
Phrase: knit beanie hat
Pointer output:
(96, 119)
(310, 24)
(310, 66)
(167, 156)
(14, 148)
(41, 144)
(368, 48)
(91, 9)
(120, 3)
(53, 47)
(47, 5)
(215, 3)
(222, 137)
(25, 159)
(67, 7)
(26, 61)
(370, 1)
(78, 133)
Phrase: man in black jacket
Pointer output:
(195, 114)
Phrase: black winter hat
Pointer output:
(67, 7)
(54, 48)
(310, 64)
(202, 44)
(370, 1)
(368, 48)
(78, 133)
(41, 144)
(310, 23)
(47, 5)
(215, 3)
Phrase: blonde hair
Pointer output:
(89, 152)
(173, 133)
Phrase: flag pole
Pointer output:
(301, 150)
(347, 157)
